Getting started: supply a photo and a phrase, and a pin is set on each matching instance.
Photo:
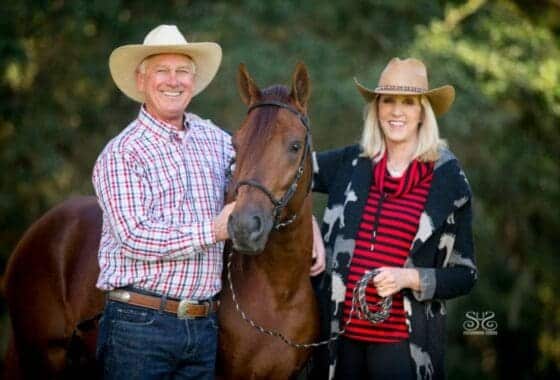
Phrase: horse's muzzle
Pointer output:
(248, 230)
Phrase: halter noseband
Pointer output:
(280, 204)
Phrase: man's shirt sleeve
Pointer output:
(125, 196)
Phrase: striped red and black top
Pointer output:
(388, 226)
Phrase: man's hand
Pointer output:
(318, 264)
(221, 221)
(391, 280)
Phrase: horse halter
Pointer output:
(280, 204)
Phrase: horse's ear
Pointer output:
(301, 86)
(248, 90)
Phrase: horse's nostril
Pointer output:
(249, 229)
(256, 228)
(257, 224)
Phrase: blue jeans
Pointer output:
(140, 343)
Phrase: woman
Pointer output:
(399, 202)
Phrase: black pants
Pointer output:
(373, 361)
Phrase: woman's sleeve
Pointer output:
(325, 166)
(459, 274)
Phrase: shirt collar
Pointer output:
(160, 128)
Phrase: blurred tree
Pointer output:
(506, 65)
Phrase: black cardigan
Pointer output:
(442, 251)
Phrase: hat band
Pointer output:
(401, 88)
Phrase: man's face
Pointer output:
(167, 82)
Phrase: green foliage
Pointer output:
(59, 107)
(510, 68)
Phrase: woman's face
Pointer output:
(399, 117)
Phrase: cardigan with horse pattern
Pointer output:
(442, 252)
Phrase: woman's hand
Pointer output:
(318, 263)
(391, 280)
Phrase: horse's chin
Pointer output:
(248, 247)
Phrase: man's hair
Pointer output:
(429, 142)
(142, 66)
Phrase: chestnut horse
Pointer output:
(50, 277)
(50, 288)
(270, 228)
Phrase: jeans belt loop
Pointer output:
(162, 303)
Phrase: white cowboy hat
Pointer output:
(124, 60)
(409, 76)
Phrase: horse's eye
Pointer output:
(295, 147)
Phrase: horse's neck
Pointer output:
(286, 259)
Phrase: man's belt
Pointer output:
(183, 309)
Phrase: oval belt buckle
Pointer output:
(182, 309)
(119, 295)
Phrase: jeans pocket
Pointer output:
(132, 315)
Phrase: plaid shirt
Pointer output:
(160, 189)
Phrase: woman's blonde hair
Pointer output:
(429, 142)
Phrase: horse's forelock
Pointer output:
(279, 93)
(259, 131)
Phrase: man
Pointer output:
(161, 184)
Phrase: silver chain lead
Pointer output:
(358, 298)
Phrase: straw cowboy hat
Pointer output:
(124, 60)
(409, 77)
